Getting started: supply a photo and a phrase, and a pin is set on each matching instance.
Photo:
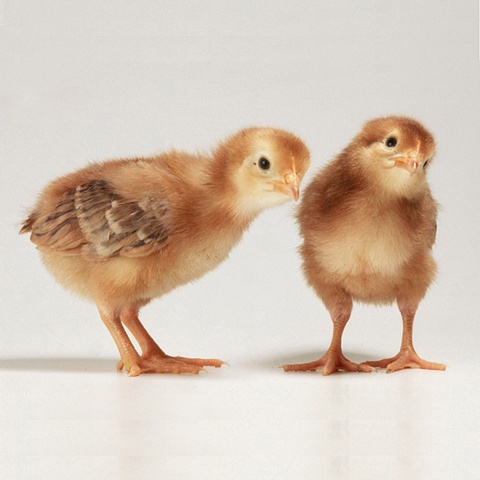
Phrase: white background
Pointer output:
(84, 81)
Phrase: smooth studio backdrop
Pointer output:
(86, 81)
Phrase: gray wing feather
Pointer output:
(96, 222)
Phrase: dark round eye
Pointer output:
(391, 142)
(264, 164)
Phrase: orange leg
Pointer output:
(153, 358)
(407, 357)
(128, 354)
(333, 360)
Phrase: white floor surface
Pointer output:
(92, 80)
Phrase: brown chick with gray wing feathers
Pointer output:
(368, 222)
(123, 232)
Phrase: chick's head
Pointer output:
(395, 153)
(267, 166)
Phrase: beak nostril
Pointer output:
(288, 178)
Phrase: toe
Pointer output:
(304, 367)
(201, 362)
(362, 367)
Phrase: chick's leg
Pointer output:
(154, 359)
(129, 356)
(334, 360)
(407, 357)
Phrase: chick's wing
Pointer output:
(96, 222)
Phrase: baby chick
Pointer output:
(368, 222)
(123, 232)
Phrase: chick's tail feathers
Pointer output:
(27, 225)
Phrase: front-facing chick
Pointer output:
(368, 222)
(123, 232)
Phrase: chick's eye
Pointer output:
(425, 163)
(264, 164)
(391, 142)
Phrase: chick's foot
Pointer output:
(201, 362)
(407, 358)
(331, 362)
(166, 364)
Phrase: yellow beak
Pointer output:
(291, 183)
(289, 186)
(409, 164)
(408, 161)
